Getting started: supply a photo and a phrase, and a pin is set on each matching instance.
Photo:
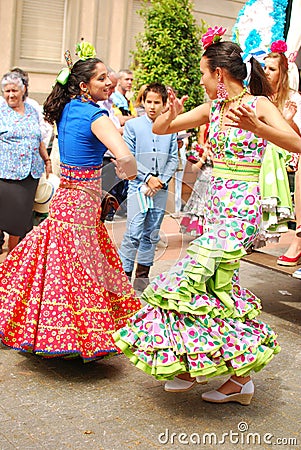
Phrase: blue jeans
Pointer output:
(142, 232)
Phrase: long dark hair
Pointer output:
(227, 54)
(62, 94)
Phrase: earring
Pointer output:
(221, 91)
(86, 97)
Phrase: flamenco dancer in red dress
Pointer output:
(62, 289)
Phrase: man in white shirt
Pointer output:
(109, 178)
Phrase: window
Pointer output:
(44, 29)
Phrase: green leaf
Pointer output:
(169, 50)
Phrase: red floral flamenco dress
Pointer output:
(63, 291)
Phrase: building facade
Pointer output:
(35, 33)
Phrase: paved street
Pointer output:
(110, 405)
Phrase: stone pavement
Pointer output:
(111, 405)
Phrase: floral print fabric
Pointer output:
(20, 138)
(63, 291)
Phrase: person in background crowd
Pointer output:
(2, 240)
(182, 141)
(23, 157)
(192, 222)
(295, 246)
(139, 106)
(157, 159)
(69, 292)
(289, 102)
(198, 321)
(274, 182)
(109, 177)
(123, 105)
(46, 128)
(124, 110)
(109, 104)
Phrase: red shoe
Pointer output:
(298, 231)
(286, 261)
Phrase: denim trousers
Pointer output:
(142, 231)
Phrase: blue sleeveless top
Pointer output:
(77, 144)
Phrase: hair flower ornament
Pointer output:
(278, 46)
(212, 36)
(85, 50)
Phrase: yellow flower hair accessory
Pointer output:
(85, 50)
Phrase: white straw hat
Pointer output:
(45, 191)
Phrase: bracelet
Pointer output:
(47, 160)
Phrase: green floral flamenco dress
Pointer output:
(198, 319)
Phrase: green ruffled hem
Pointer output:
(211, 273)
(212, 312)
(168, 372)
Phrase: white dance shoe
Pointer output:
(179, 385)
(243, 397)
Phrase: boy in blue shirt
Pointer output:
(157, 160)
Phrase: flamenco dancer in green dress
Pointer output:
(198, 321)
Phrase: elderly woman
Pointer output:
(23, 156)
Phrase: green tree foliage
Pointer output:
(169, 50)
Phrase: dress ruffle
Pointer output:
(169, 344)
(198, 319)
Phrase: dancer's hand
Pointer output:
(125, 167)
(207, 151)
(119, 170)
(175, 105)
(242, 117)
(289, 110)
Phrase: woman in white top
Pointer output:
(274, 182)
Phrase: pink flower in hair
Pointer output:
(212, 35)
(279, 47)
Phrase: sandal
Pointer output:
(180, 385)
(287, 261)
(243, 397)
